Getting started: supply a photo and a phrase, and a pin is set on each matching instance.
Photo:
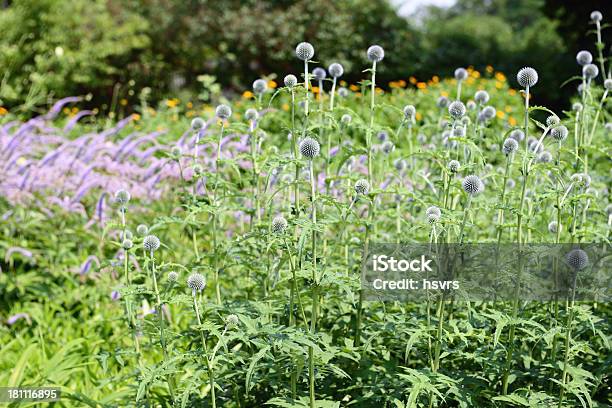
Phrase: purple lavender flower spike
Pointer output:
(86, 266)
(73, 121)
(57, 107)
(16, 317)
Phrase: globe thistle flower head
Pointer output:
(375, 53)
(279, 224)
(388, 147)
(527, 77)
(608, 127)
(122, 197)
(151, 243)
(127, 234)
(553, 227)
(471, 105)
(577, 107)
(142, 230)
(260, 86)
(459, 131)
(518, 135)
(552, 120)
(127, 244)
(510, 184)
(461, 74)
(454, 166)
(433, 214)
(581, 180)
(382, 135)
(309, 148)
(172, 276)
(304, 51)
(362, 186)
(442, 102)
(346, 119)
(409, 111)
(545, 157)
(481, 97)
(343, 92)
(232, 321)
(489, 112)
(608, 84)
(584, 57)
(534, 145)
(559, 133)
(197, 123)
(465, 121)
(319, 74)
(290, 81)
(596, 16)
(196, 282)
(223, 111)
(176, 151)
(577, 259)
(590, 71)
(400, 164)
(456, 109)
(251, 114)
(197, 169)
(472, 185)
(336, 70)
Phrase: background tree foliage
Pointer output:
(53, 48)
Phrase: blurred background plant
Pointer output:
(111, 49)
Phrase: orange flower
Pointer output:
(315, 89)
(421, 85)
(412, 80)
(247, 94)
(500, 77)
(435, 79)
(512, 121)
(272, 84)
(3, 110)
(136, 116)
(512, 92)
(354, 88)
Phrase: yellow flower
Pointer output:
(489, 69)
(435, 79)
(123, 102)
(512, 121)
(499, 85)
(285, 107)
(136, 116)
(272, 84)
(421, 85)
(475, 74)
(500, 114)
(189, 105)
(3, 110)
(160, 128)
(315, 89)
(512, 92)
(190, 114)
(418, 116)
(343, 83)
(21, 161)
(379, 91)
(247, 94)
(402, 83)
(66, 110)
(354, 88)
(508, 108)
(444, 93)
(469, 81)
(500, 77)
(172, 103)
(412, 80)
